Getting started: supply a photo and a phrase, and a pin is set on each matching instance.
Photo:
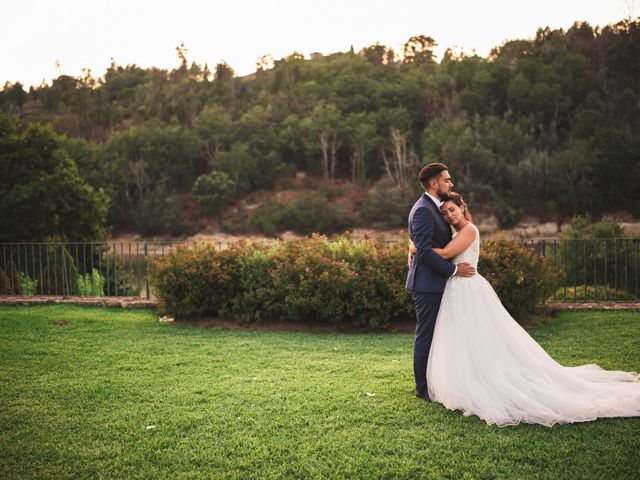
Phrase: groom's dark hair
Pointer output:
(431, 171)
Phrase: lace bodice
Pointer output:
(472, 253)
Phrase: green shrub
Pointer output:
(6, 285)
(307, 214)
(255, 296)
(338, 282)
(212, 192)
(388, 204)
(597, 253)
(59, 274)
(380, 296)
(581, 226)
(92, 284)
(28, 285)
(506, 211)
(311, 284)
(267, 219)
(315, 280)
(589, 293)
(195, 279)
(117, 274)
(10, 283)
(521, 278)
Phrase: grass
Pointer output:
(78, 400)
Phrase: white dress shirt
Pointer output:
(436, 200)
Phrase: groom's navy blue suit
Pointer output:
(426, 279)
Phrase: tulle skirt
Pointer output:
(484, 363)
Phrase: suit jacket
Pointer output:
(428, 272)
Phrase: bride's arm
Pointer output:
(459, 244)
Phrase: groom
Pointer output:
(429, 272)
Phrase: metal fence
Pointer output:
(593, 270)
(80, 269)
(590, 270)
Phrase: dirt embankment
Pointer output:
(353, 197)
(488, 227)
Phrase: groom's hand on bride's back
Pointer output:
(465, 269)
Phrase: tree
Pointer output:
(214, 128)
(145, 196)
(169, 151)
(264, 63)
(43, 196)
(398, 155)
(181, 51)
(256, 129)
(212, 192)
(240, 165)
(362, 135)
(224, 84)
(419, 49)
(145, 165)
(500, 121)
(324, 124)
(12, 97)
(403, 157)
(573, 177)
(378, 54)
(290, 142)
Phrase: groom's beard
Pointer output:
(441, 194)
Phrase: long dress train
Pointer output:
(484, 363)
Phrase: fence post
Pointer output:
(146, 281)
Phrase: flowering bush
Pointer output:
(313, 280)
(521, 278)
(195, 279)
(254, 297)
(312, 283)
(320, 281)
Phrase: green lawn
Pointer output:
(76, 401)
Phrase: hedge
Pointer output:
(320, 281)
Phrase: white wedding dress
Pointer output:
(483, 363)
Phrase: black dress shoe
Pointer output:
(424, 396)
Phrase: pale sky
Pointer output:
(35, 34)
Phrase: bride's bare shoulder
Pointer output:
(469, 227)
(469, 231)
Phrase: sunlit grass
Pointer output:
(115, 394)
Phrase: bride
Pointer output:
(484, 363)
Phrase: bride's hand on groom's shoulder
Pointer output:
(465, 269)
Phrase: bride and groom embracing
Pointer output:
(469, 353)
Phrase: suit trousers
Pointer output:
(426, 306)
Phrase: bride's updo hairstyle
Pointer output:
(459, 201)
